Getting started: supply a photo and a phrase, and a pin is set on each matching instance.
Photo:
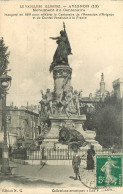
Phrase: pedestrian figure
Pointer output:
(90, 158)
(76, 163)
(10, 151)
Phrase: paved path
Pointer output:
(48, 176)
(27, 179)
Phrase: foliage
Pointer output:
(89, 112)
(4, 56)
(89, 122)
(107, 120)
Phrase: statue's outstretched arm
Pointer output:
(115, 166)
(54, 38)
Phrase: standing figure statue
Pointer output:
(70, 108)
(49, 99)
(46, 103)
(62, 51)
(43, 104)
(76, 101)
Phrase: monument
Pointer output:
(60, 109)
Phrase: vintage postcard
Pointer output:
(61, 92)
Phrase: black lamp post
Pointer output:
(5, 83)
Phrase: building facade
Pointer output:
(118, 87)
(22, 126)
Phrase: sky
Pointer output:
(97, 46)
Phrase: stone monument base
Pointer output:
(90, 138)
(52, 137)
(49, 143)
(56, 122)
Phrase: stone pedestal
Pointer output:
(49, 143)
(62, 78)
(90, 138)
(52, 137)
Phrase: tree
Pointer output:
(108, 122)
(89, 122)
(4, 56)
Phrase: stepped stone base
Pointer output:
(49, 143)
(90, 137)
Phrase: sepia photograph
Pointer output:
(61, 97)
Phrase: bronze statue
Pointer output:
(62, 51)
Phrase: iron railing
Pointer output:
(53, 154)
